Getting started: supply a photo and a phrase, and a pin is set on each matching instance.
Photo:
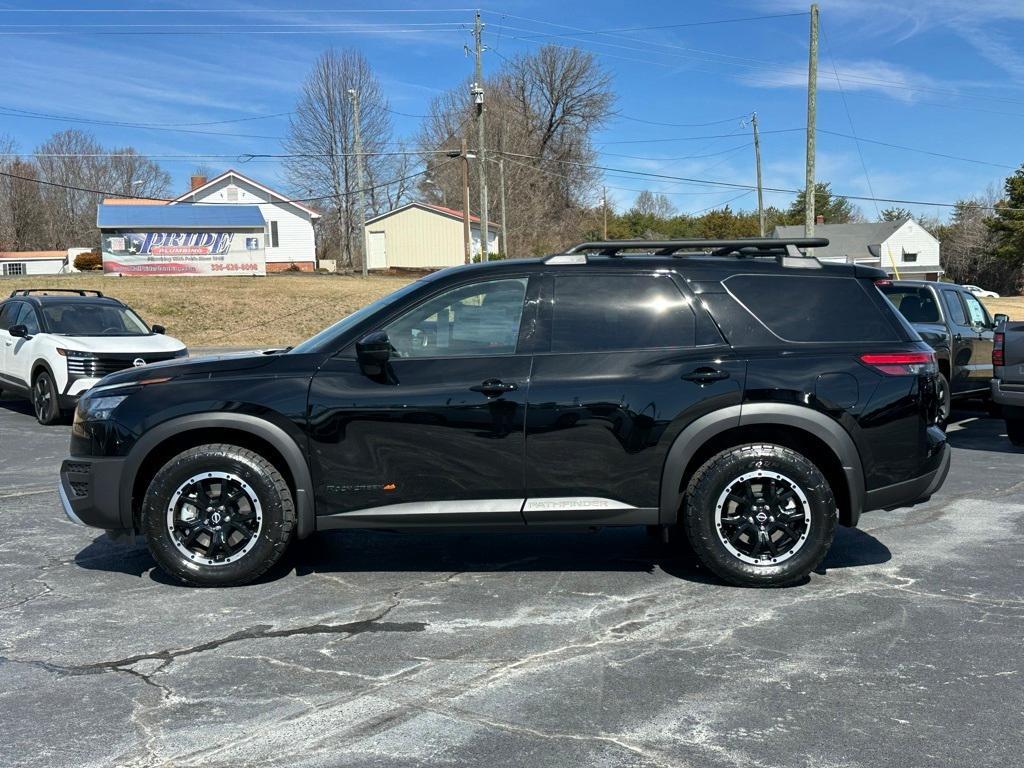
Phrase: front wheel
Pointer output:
(760, 515)
(45, 402)
(218, 515)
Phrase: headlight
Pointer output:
(98, 408)
(74, 354)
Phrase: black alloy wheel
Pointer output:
(44, 399)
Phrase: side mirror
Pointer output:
(158, 329)
(18, 331)
(373, 352)
(1001, 318)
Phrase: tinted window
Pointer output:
(477, 319)
(956, 309)
(979, 317)
(27, 317)
(918, 305)
(88, 319)
(7, 312)
(800, 308)
(594, 313)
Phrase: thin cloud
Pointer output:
(873, 75)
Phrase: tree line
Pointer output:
(543, 111)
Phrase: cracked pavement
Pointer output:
(513, 649)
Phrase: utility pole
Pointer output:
(477, 92)
(467, 242)
(504, 230)
(604, 211)
(812, 96)
(359, 178)
(760, 191)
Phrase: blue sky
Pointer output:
(943, 76)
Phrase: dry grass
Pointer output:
(276, 310)
(1009, 305)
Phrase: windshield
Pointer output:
(88, 319)
(331, 332)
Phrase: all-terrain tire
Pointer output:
(722, 472)
(1015, 431)
(258, 476)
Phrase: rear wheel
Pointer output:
(760, 515)
(44, 399)
(218, 515)
(945, 398)
(1015, 431)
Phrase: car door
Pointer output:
(8, 311)
(620, 378)
(984, 327)
(21, 352)
(970, 351)
(438, 435)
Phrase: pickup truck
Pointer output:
(951, 320)
(1008, 377)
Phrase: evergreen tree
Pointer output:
(1007, 225)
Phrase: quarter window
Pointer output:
(481, 319)
(600, 313)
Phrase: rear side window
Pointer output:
(918, 305)
(812, 309)
(956, 308)
(601, 313)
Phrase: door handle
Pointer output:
(494, 387)
(706, 375)
(958, 337)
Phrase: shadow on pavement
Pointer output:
(973, 430)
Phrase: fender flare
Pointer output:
(253, 425)
(694, 437)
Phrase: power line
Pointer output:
(229, 11)
(692, 138)
(678, 125)
(915, 149)
(655, 27)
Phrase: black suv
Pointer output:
(739, 391)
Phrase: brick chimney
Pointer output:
(819, 219)
(196, 182)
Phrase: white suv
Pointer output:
(55, 344)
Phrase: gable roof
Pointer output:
(450, 213)
(860, 240)
(232, 172)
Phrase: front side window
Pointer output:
(600, 313)
(979, 317)
(86, 319)
(27, 317)
(8, 312)
(472, 320)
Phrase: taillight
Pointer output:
(998, 346)
(901, 363)
(883, 281)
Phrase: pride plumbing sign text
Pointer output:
(184, 253)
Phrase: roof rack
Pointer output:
(786, 250)
(77, 291)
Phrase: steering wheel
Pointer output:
(111, 329)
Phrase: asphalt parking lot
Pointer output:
(366, 649)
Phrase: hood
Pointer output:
(193, 367)
(154, 343)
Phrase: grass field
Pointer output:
(276, 310)
(231, 311)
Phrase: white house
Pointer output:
(901, 248)
(17, 263)
(422, 236)
(289, 225)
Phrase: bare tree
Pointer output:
(654, 204)
(22, 213)
(71, 161)
(321, 142)
(132, 175)
(543, 108)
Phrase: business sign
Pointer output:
(183, 253)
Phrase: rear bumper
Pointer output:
(916, 490)
(90, 490)
(1007, 394)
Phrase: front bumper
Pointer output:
(916, 490)
(90, 490)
